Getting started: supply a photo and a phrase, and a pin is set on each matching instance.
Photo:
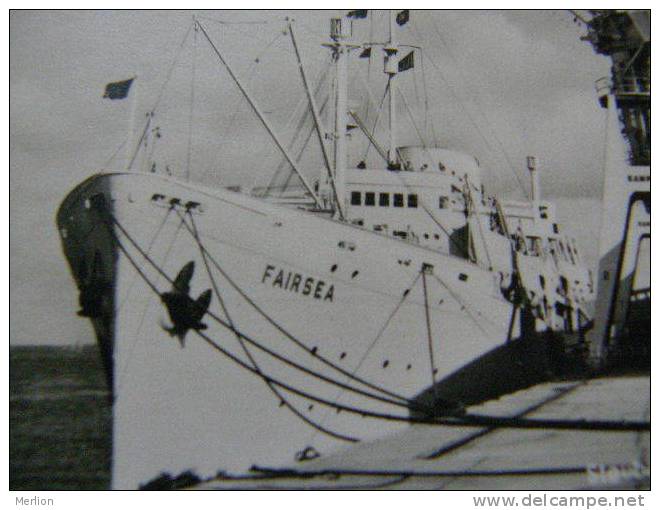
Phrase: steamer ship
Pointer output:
(238, 328)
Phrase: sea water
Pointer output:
(59, 419)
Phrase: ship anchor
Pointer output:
(185, 312)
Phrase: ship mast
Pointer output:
(536, 187)
(317, 124)
(340, 55)
(391, 50)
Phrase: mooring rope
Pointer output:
(247, 352)
(291, 337)
(470, 420)
(288, 361)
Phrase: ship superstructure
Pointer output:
(239, 329)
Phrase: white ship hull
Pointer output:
(346, 319)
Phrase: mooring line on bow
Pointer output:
(252, 341)
(292, 363)
(465, 420)
(124, 369)
(244, 347)
(295, 340)
(464, 307)
(150, 245)
(462, 421)
(402, 299)
(252, 369)
(231, 356)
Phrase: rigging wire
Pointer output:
(283, 164)
(124, 369)
(247, 338)
(371, 137)
(232, 327)
(377, 337)
(426, 101)
(412, 120)
(175, 59)
(473, 420)
(463, 306)
(148, 250)
(299, 343)
(474, 123)
(380, 109)
(192, 101)
(242, 363)
(282, 358)
(114, 154)
(488, 121)
(468, 420)
(257, 112)
(429, 337)
(321, 79)
(250, 77)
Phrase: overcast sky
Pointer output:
(501, 85)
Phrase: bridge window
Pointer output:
(443, 202)
(398, 200)
(356, 198)
(412, 200)
(384, 200)
(369, 198)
